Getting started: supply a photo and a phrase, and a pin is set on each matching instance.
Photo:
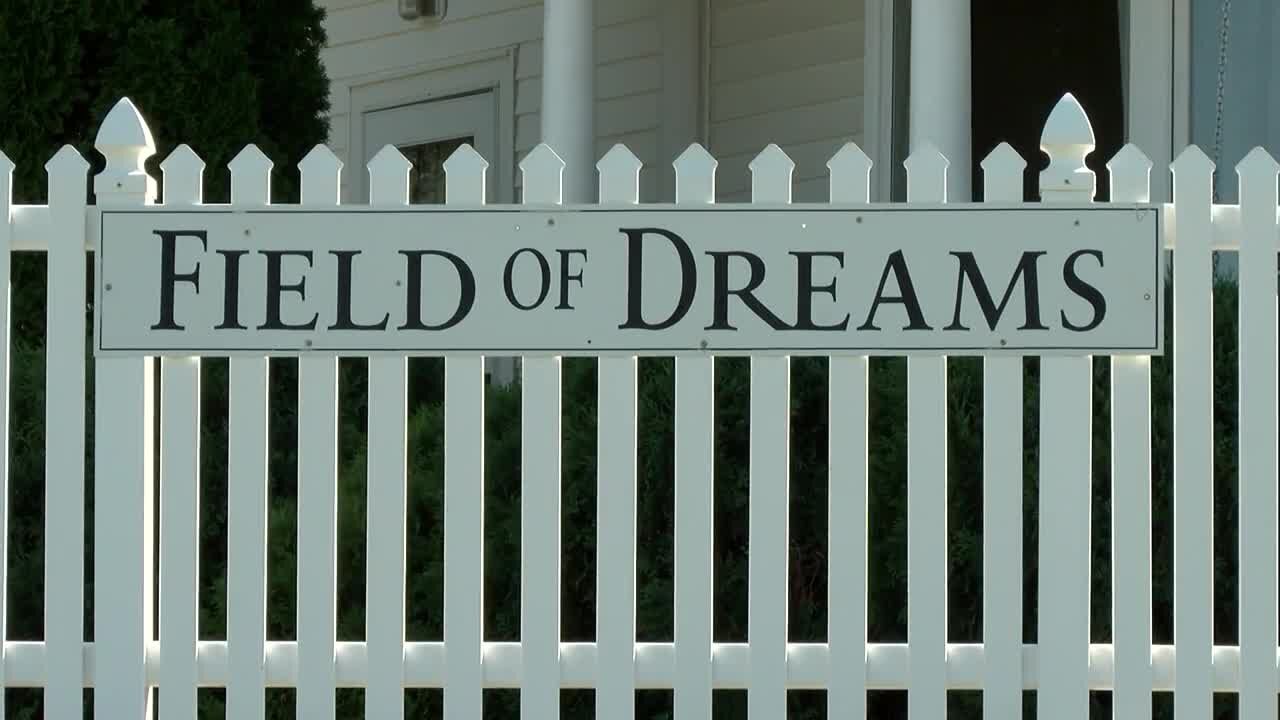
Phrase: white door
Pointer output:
(427, 133)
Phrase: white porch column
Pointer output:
(568, 112)
(940, 87)
(568, 93)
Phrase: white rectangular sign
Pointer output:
(654, 280)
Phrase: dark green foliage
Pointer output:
(214, 74)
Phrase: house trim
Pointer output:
(683, 89)
(1158, 87)
(492, 70)
(878, 95)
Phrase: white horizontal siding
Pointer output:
(788, 72)
(368, 38)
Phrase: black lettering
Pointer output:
(1084, 290)
(805, 290)
(169, 275)
(907, 297)
(635, 279)
(413, 291)
(231, 290)
(1031, 291)
(720, 307)
(344, 321)
(276, 288)
(543, 267)
(565, 277)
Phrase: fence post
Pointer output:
(123, 484)
(1066, 401)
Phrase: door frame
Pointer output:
(493, 71)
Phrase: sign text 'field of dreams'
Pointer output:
(800, 280)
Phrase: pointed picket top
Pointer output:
(1003, 158)
(619, 176)
(772, 159)
(1192, 160)
(464, 177)
(1258, 163)
(250, 159)
(1130, 170)
(1129, 157)
(695, 175)
(543, 174)
(465, 159)
(850, 159)
(926, 158)
(926, 174)
(183, 176)
(695, 158)
(182, 159)
(771, 172)
(389, 177)
(67, 161)
(849, 174)
(619, 159)
(1256, 173)
(250, 176)
(1002, 174)
(321, 177)
(6, 183)
(321, 161)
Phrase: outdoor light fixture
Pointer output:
(422, 9)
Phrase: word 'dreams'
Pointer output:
(895, 288)
(646, 282)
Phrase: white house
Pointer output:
(736, 75)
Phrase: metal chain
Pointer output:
(1223, 35)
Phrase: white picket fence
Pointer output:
(1063, 667)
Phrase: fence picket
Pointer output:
(769, 472)
(1258, 432)
(1066, 473)
(847, 443)
(64, 438)
(247, 488)
(6, 247)
(616, 497)
(1002, 392)
(387, 439)
(317, 488)
(540, 491)
(1193, 438)
(695, 171)
(464, 404)
(179, 486)
(1131, 488)
(927, 491)
(123, 461)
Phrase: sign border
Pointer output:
(1156, 348)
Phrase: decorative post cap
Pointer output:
(125, 143)
(1067, 139)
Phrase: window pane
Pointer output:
(426, 179)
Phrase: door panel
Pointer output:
(428, 133)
